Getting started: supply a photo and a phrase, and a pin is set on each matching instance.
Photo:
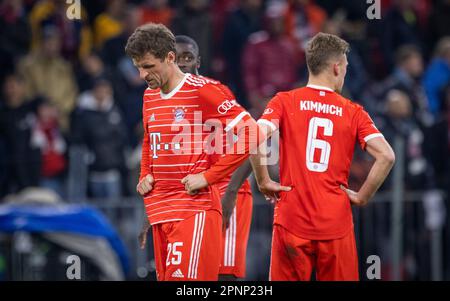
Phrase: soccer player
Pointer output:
(177, 177)
(313, 225)
(236, 200)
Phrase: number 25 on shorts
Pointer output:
(174, 255)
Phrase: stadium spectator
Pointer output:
(15, 34)
(303, 20)
(46, 73)
(438, 22)
(357, 77)
(270, 62)
(436, 141)
(156, 11)
(193, 20)
(239, 25)
(406, 77)
(76, 35)
(109, 24)
(91, 67)
(437, 76)
(112, 50)
(127, 85)
(400, 27)
(48, 137)
(398, 122)
(17, 120)
(98, 125)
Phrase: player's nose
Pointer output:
(143, 74)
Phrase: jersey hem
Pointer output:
(315, 236)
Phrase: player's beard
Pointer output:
(152, 84)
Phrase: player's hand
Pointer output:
(143, 235)
(355, 199)
(272, 189)
(145, 185)
(193, 183)
(228, 203)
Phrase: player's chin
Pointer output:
(152, 84)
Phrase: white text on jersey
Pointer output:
(308, 105)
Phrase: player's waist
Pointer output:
(223, 185)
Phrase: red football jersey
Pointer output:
(318, 131)
(177, 140)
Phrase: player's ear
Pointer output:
(199, 59)
(171, 57)
(336, 69)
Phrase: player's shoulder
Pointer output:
(289, 94)
(150, 94)
(350, 104)
(207, 86)
(199, 81)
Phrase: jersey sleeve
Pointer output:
(219, 103)
(145, 158)
(366, 128)
(273, 112)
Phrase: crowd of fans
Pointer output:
(68, 83)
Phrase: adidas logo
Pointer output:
(177, 274)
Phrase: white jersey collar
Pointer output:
(175, 90)
(320, 88)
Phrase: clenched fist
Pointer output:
(193, 183)
(145, 185)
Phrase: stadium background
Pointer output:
(68, 171)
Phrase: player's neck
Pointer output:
(174, 80)
(321, 81)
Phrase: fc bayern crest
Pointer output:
(178, 115)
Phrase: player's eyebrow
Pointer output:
(147, 66)
(143, 65)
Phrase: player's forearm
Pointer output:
(238, 178)
(225, 166)
(376, 177)
(145, 159)
(145, 223)
(251, 137)
(258, 162)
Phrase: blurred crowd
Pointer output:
(67, 83)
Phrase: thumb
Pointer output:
(149, 179)
(184, 180)
(285, 188)
(343, 188)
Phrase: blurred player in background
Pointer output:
(313, 225)
(177, 177)
(237, 199)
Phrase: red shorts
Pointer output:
(187, 250)
(235, 238)
(294, 258)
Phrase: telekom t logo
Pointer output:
(155, 138)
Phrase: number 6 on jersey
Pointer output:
(314, 143)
